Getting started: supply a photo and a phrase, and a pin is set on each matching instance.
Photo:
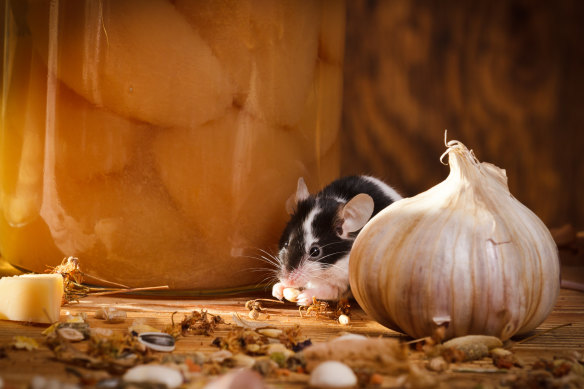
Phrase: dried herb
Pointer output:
(72, 280)
(82, 327)
(24, 343)
(197, 323)
(323, 308)
(301, 345)
(318, 307)
(289, 336)
(542, 378)
(114, 353)
(242, 340)
(504, 359)
(558, 367)
(256, 307)
(382, 355)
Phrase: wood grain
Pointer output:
(19, 367)
(503, 77)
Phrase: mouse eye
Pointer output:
(314, 251)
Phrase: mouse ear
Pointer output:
(301, 190)
(356, 213)
(301, 194)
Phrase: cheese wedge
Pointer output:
(31, 297)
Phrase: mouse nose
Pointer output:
(294, 279)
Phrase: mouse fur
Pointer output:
(315, 244)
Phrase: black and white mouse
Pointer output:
(315, 245)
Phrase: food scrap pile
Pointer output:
(107, 347)
(233, 348)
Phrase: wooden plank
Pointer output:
(502, 77)
(20, 366)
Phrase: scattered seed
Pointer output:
(252, 348)
(463, 341)
(291, 294)
(242, 360)
(158, 341)
(270, 332)
(70, 334)
(220, 356)
(111, 315)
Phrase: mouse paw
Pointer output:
(278, 290)
(304, 299)
(322, 292)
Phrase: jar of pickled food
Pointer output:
(158, 140)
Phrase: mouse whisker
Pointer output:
(332, 243)
(262, 259)
(259, 270)
(331, 254)
(267, 256)
(267, 280)
(319, 278)
(335, 266)
(273, 256)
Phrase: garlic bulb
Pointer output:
(464, 253)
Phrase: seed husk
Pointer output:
(158, 341)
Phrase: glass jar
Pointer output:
(158, 140)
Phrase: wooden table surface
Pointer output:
(19, 366)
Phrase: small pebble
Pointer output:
(344, 320)
(154, 374)
(437, 364)
(238, 379)
(332, 374)
(349, 336)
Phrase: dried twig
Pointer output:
(73, 282)
(542, 333)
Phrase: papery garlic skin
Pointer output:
(464, 252)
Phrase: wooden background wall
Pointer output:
(504, 77)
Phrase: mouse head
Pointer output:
(320, 233)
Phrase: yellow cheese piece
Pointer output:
(31, 297)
